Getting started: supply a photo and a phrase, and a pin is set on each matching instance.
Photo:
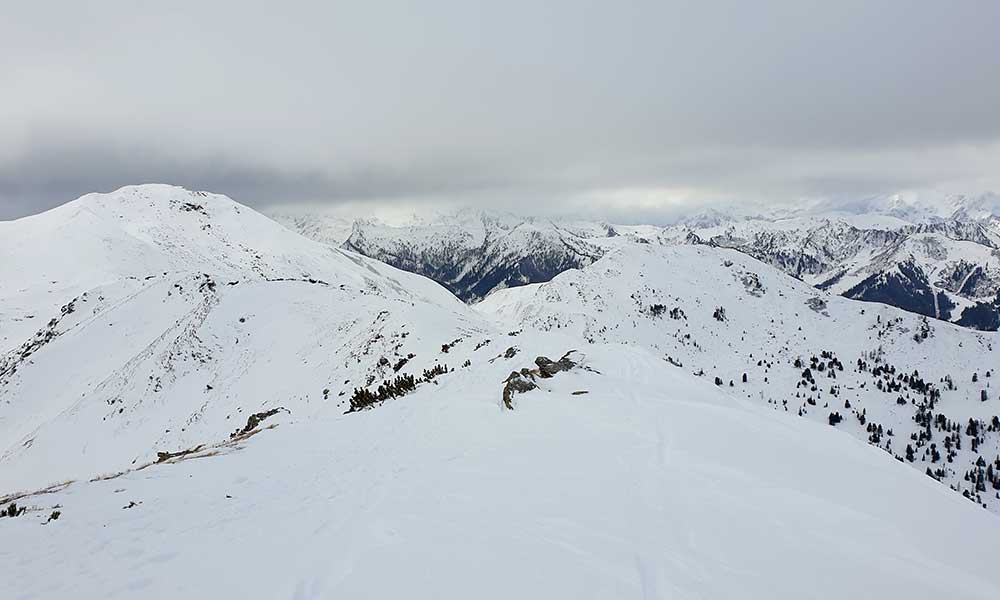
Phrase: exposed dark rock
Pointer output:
(548, 368)
(522, 381)
(516, 383)
(165, 456)
(816, 303)
(254, 420)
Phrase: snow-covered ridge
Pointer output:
(650, 485)
(882, 211)
(754, 331)
(476, 253)
(174, 417)
(945, 268)
(152, 317)
(948, 270)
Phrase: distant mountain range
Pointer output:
(939, 259)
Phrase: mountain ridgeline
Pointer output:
(947, 268)
(477, 253)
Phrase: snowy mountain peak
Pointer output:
(476, 252)
(852, 252)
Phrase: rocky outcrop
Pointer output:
(517, 382)
(522, 381)
(548, 368)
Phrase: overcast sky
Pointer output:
(615, 108)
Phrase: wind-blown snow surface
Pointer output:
(185, 313)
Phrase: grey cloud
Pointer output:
(50, 173)
(47, 175)
(511, 103)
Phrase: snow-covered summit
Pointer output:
(152, 316)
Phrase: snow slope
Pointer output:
(652, 485)
(138, 232)
(179, 400)
(667, 300)
(203, 317)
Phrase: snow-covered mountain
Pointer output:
(915, 208)
(154, 318)
(948, 270)
(912, 208)
(898, 252)
(474, 253)
(326, 228)
(197, 401)
(896, 379)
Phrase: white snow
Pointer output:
(768, 319)
(654, 483)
